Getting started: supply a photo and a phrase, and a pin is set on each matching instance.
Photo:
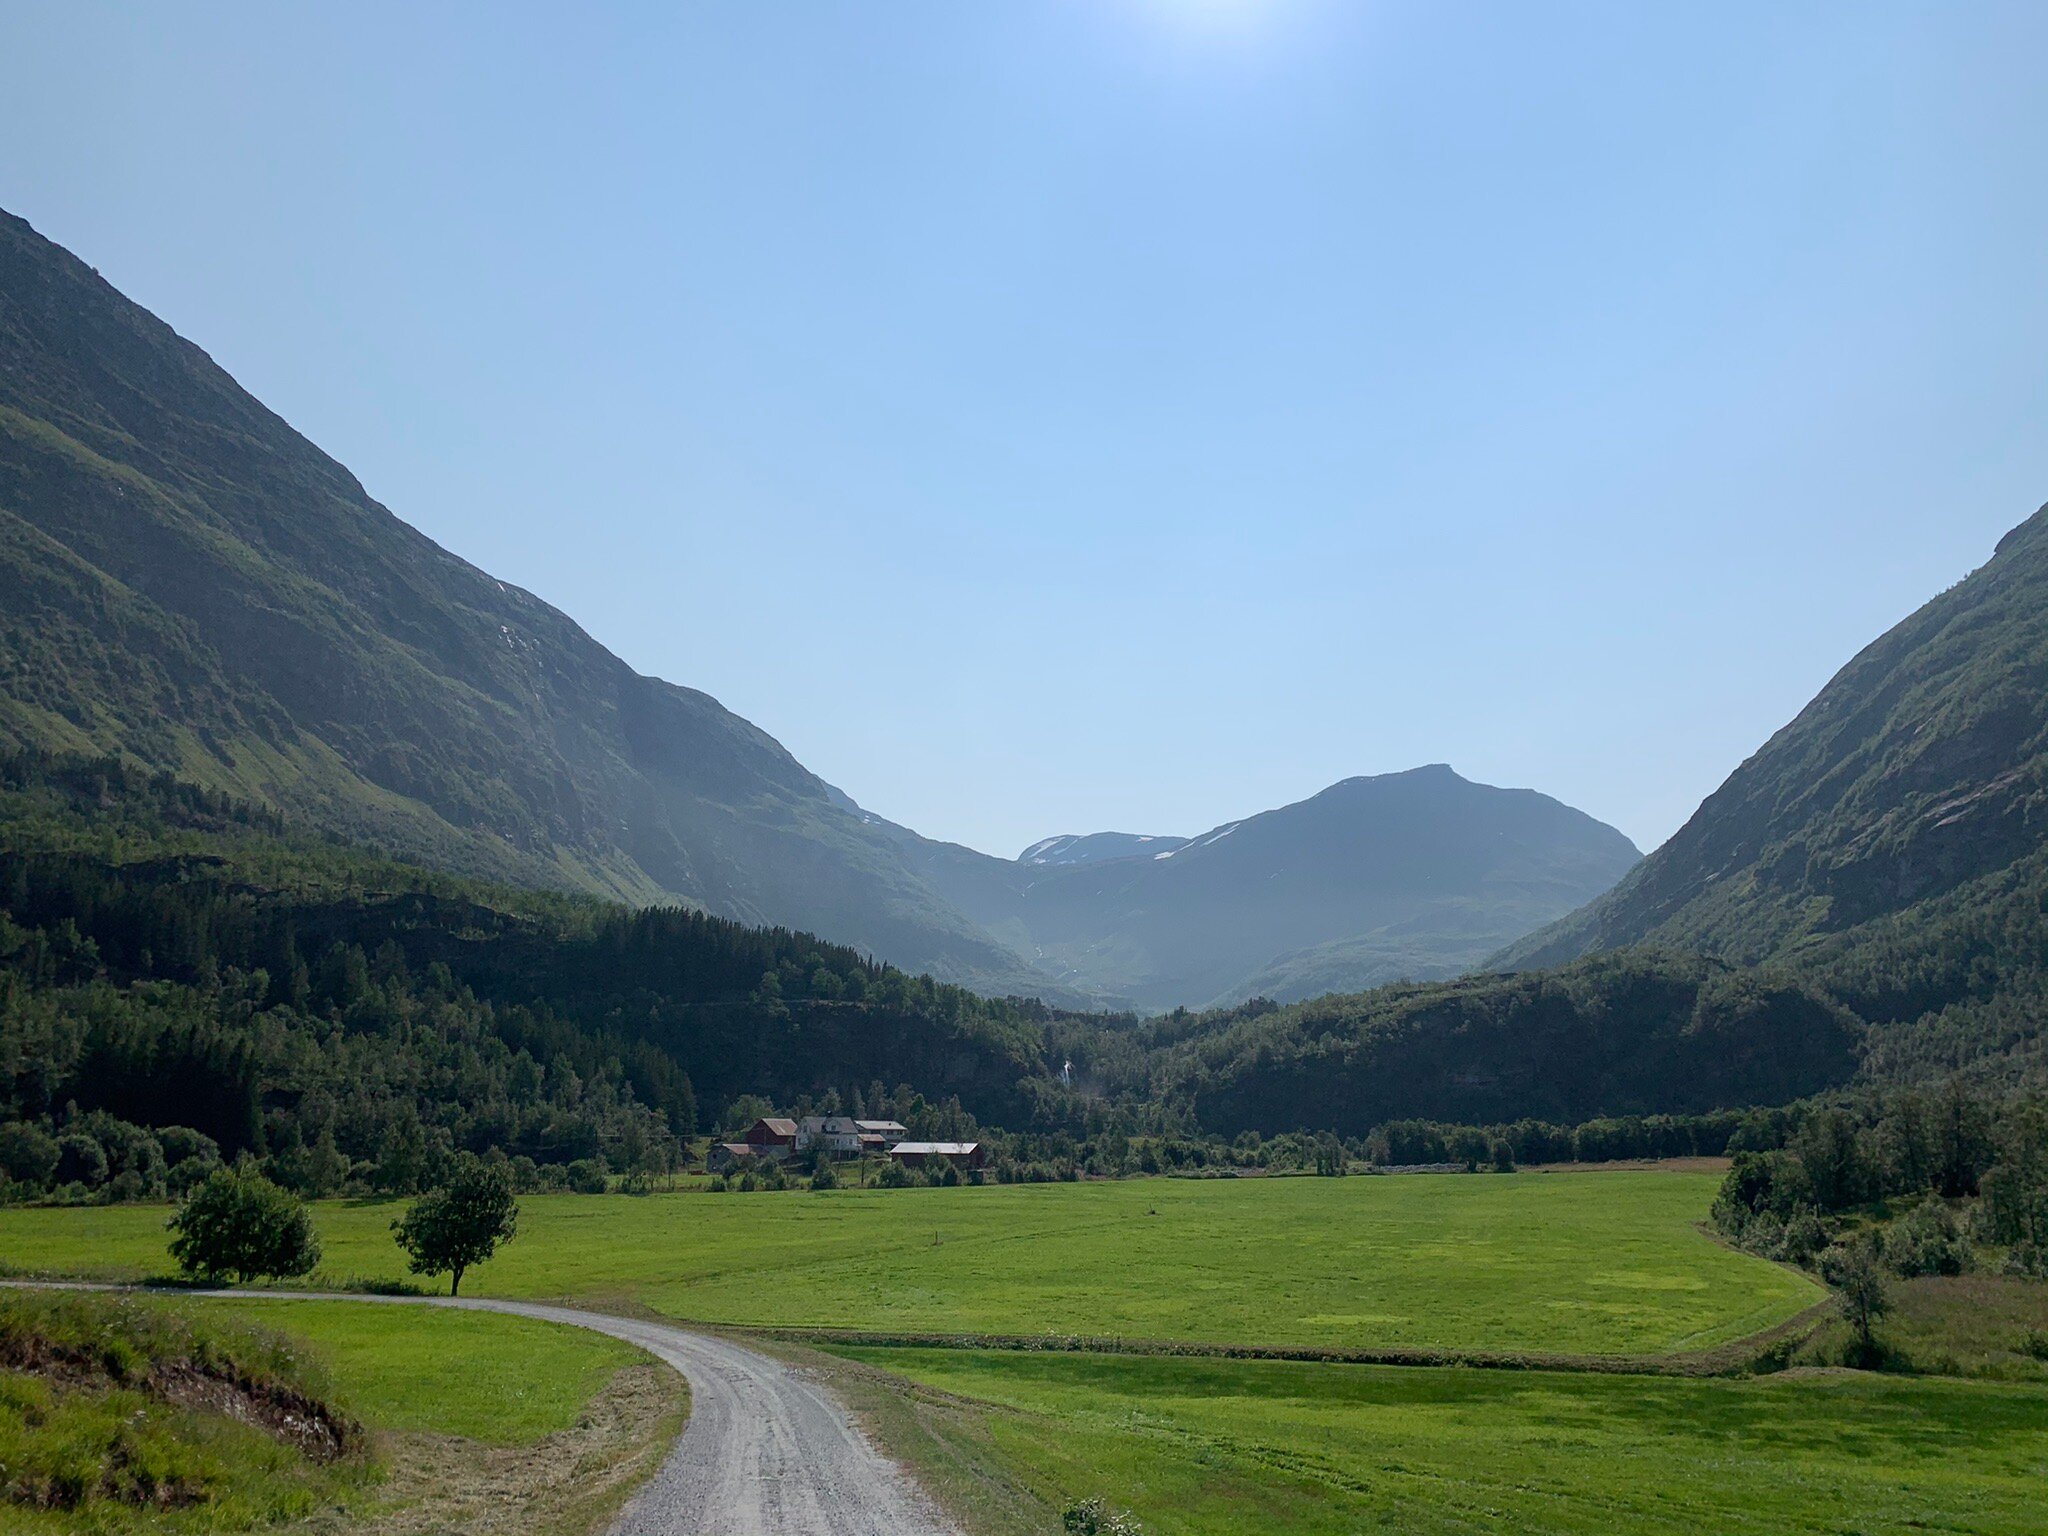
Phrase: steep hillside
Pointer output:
(1891, 843)
(1405, 875)
(1920, 770)
(187, 581)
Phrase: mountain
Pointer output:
(186, 581)
(189, 584)
(1096, 847)
(1404, 875)
(1891, 840)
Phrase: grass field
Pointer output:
(1581, 1263)
(498, 1380)
(1208, 1447)
(477, 1422)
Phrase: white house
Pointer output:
(837, 1134)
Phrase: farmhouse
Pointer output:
(837, 1134)
(915, 1154)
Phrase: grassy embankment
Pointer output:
(1589, 1264)
(189, 1415)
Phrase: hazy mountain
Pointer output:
(186, 580)
(1096, 847)
(189, 582)
(1406, 875)
(1916, 782)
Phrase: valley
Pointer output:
(456, 1081)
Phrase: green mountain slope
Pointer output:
(1892, 841)
(186, 581)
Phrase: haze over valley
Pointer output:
(1132, 768)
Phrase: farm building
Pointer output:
(915, 1154)
(837, 1134)
(772, 1137)
(728, 1155)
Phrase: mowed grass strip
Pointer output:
(1583, 1263)
(407, 1368)
(1216, 1447)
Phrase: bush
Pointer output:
(81, 1160)
(1092, 1517)
(824, 1178)
(717, 1186)
(239, 1224)
(1930, 1241)
(28, 1154)
(182, 1144)
(1804, 1236)
(2028, 1260)
(587, 1177)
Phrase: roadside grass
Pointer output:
(1586, 1263)
(489, 1378)
(122, 1414)
(1214, 1448)
(115, 1417)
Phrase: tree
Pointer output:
(27, 1153)
(1861, 1292)
(239, 1224)
(460, 1224)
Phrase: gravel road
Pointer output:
(767, 1452)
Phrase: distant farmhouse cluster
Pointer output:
(772, 1139)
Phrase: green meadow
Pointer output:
(1197, 1447)
(453, 1401)
(1582, 1263)
(428, 1370)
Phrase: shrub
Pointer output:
(1804, 1236)
(1930, 1241)
(1093, 1517)
(81, 1160)
(2028, 1260)
(182, 1144)
(239, 1224)
(824, 1178)
(717, 1186)
(587, 1177)
(28, 1154)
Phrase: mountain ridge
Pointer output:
(1919, 770)
(188, 582)
(1402, 876)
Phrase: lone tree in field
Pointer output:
(1859, 1281)
(460, 1224)
(238, 1224)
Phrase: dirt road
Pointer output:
(766, 1453)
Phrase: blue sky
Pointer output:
(1050, 417)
